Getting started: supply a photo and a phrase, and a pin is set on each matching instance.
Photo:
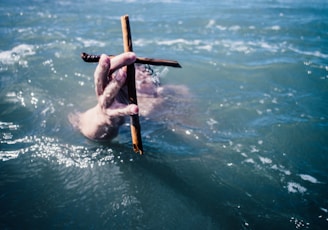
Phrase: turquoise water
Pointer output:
(246, 150)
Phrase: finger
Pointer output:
(101, 74)
(119, 110)
(113, 88)
(121, 60)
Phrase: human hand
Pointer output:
(103, 121)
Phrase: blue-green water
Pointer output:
(247, 150)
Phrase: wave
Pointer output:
(226, 46)
(90, 42)
(17, 55)
(309, 53)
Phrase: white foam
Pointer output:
(179, 41)
(211, 23)
(276, 27)
(171, 42)
(222, 28)
(141, 42)
(234, 28)
(239, 46)
(265, 160)
(91, 42)
(250, 160)
(282, 169)
(205, 47)
(16, 54)
(309, 53)
(211, 122)
(295, 187)
(309, 178)
(254, 149)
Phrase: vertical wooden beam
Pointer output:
(131, 83)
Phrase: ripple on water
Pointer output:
(66, 154)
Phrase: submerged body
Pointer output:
(102, 122)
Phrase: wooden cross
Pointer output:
(131, 84)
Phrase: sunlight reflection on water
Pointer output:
(246, 149)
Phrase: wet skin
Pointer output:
(102, 122)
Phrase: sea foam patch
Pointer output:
(294, 187)
(309, 178)
(16, 55)
(90, 42)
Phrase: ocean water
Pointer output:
(247, 149)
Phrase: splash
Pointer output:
(17, 55)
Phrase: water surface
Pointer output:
(246, 150)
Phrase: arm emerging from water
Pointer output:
(103, 121)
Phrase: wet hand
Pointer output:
(103, 120)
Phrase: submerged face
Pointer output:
(145, 81)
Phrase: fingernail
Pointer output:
(134, 109)
(104, 60)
